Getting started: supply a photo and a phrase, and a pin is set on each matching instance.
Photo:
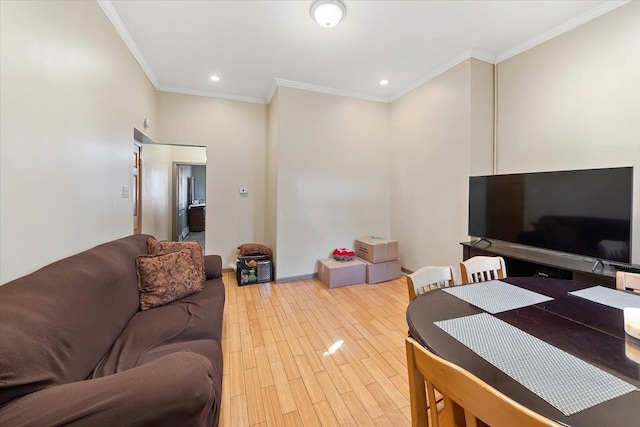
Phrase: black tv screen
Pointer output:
(584, 212)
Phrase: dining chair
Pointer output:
(482, 268)
(467, 399)
(428, 278)
(628, 281)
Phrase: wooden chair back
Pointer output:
(428, 278)
(483, 268)
(467, 399)
(628, 281)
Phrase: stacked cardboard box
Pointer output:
(335, 274)
(381, 258)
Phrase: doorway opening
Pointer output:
(190, 206)
(172, 196)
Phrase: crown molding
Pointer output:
(330, 90)
(561, 29)
(468, 54)
(482, 55)
(272, 91)
(117, 23)
(208, 94)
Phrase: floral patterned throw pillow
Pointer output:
(156, 247)
(166, 278)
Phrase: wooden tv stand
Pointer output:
(529, 261)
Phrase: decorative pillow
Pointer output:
(254, 249)
(166, 278)
(163, 247)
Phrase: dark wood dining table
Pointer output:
(589, 331)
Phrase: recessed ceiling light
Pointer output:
(384, 82)
(328, 13)
(215, 78)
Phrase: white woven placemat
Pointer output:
(609, 297)
(496, 296)
(564, 381)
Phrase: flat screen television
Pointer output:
(583, 212)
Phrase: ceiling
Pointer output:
(254, 45)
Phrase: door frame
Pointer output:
(175, 208)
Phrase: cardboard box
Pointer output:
(382, 271)
(335, 274)
(376, 249)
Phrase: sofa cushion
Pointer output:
(193, 323)
(176, 390)
(58, 322)
(161, 247)
(166, 278)
(212, 266)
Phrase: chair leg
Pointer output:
(417, 393)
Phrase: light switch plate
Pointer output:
(126, 191)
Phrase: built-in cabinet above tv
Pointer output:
(526, 261)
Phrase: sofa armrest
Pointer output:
(213, 266)
(176, 389)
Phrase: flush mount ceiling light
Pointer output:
(328, 13)
(384, 82)
(215, 78)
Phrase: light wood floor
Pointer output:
(279, 367)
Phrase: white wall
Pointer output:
(156, 191)
(574, 103)
(234, 134)
(332, 176)
(71, 95)
(440, 134)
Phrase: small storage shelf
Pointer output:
(263, 271)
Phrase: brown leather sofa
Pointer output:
(75, 349)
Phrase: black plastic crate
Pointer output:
(263, 271)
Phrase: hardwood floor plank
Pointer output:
(311, 354)
(264, 367)
(237, 381)
(292, 419)
(360, 389)
(273, 354)
(381, 379)
(283, 388)
(248, 356)
(256, 332)
(289, 364)
(331, 366)
(357, 410)
(326, 415)
(272, 406)
(304, 403)
(335, 400)
(276, 329)
(239, 416)
(255, 408)
(309, 379)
